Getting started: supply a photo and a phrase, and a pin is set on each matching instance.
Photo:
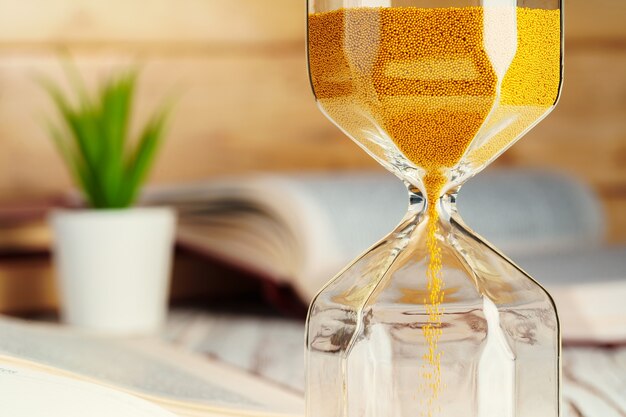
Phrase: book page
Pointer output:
(313, 223)
(27, 393)
(145, 367)
(525, 212)
(242, 221)
(589, 289)
(302, 229)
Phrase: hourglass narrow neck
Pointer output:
(443, 205)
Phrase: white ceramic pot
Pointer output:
(113, 267)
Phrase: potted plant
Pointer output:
(113, 260)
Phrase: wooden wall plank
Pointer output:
(615, 209)
(71, 21)
(239, 113)
(210, 21)
(246, 103)
(595, 20)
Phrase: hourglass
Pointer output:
(433, 320)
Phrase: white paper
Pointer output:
(25, 393)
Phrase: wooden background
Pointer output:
(245, 103)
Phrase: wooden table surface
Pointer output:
(594, 378)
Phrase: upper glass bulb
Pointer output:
(435, 90)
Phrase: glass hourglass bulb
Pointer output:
(432, 320)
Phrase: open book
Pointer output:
(301, 230)
(45, 367)
(298, 231)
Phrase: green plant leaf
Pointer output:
(77, 128)
(75, 165)
(116, 105)
(142, 158)
(93, 138)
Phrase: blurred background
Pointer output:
(245, 104)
